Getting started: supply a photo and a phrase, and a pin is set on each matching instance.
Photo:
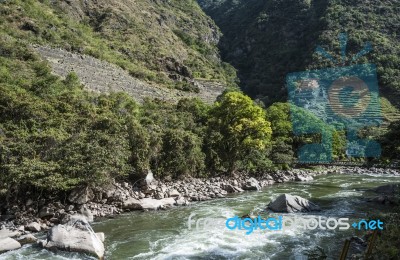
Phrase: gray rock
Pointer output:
(167, 203)
(151, 204)
(131, 204)
(46, 212)
(4, 233)
(388, 189)
(27, 239)
(8, 244)
(76, 236)
(290, 204)
(300, 177)
(81, 195)
(174, 193)
(251, 184)
(231, 189)
(33, 226)
(181, 201)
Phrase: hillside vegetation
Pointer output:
(166, 42)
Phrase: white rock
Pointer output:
(33, 226)
(76, 236)
(7, 244)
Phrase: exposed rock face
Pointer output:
(7, 244)
(290, 204)
(76, 236)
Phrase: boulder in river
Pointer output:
(8, 244)
(388, 189)
(75, 236)
(287, 203)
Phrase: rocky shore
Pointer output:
(22, 219)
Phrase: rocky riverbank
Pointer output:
(26, 217)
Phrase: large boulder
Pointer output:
(287, 203)
(8, 244)
(131, 204)
(75, 236)
(251, 184)
(148, 204)
(4, 233)
(390, 189)
(151, 204)
(81, 195)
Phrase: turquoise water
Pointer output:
(165, 234)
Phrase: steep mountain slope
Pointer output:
(170, 43)
(265, 40)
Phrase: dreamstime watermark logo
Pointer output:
(338, 98)
(249, 225)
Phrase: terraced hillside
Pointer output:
(103, 77)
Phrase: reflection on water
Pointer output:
(165, 235)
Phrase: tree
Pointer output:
(236, 126)
(282, 142)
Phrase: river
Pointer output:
(165, 234)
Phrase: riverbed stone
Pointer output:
(174, 193)
(27, 239)
(4, 233)
(251, 184)
(46, 212)
(8, 244)
(75, 236)
(33, 226)
(131, 204)
(287, 203)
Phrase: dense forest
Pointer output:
(57, 135)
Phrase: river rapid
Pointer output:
(165, 234)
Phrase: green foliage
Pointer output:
(265, 43)
(129, 37)
(181, 154)
(282, 145)
(236, 127)
(391, 141)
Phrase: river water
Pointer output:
(165, 234)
